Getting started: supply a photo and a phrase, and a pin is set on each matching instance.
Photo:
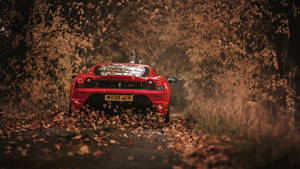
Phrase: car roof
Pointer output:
(113, 63)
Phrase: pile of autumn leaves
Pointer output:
(84, 129)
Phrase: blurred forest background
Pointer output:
(237, 61)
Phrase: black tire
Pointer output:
(167, 118)
(70, 110)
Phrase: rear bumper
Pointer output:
(159, 99)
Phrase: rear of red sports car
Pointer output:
(110, 86)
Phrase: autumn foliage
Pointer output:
(229, 56)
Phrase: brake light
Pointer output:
(150, 82)
(158, 83)
(88, 80)
(80, 80)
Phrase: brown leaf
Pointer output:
(130, 142)
(34, 136)
(171, 133)
(130, 157)
(46, 150)
(22, 151)
(97, 153)
(94, 126)
(27, 146)
(177, 167)
(73, 129)
(113, 141)
(89, 5)
(77, 137)
(57, 146)
(70, 153)
(84, 149)
(8, 147)
(48, 134)
(214, 140)
(159, 148)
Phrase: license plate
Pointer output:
(122, 98)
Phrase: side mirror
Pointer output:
(172, 80)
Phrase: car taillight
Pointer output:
(80, 80)
(88, 80)
(150, 82)
(158, 83)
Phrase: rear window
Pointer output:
(119, 69)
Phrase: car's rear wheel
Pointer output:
(70, 110)
(167, 118)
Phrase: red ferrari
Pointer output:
(113, 86)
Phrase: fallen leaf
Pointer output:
(89, 5)
(46, 150)
(97, 153)
(113, 141)
(171, 133)
(94, 126)
(70, 153)
(214, 140)
(130, 158)
(130, 142)
(27, 146)
(57, 146)
(22, 151)
(84, 149)
(159, 148)
(177, 167)
(48, 133)
(73, 129)
(101, 133)
(20, 138)
(77, 137)
(34, 136)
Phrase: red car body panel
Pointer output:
(158, 98)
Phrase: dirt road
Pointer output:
(58, 141)
(56, 148)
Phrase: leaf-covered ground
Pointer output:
(56, 140)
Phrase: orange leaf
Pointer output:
(77, 137)
(159, 148)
